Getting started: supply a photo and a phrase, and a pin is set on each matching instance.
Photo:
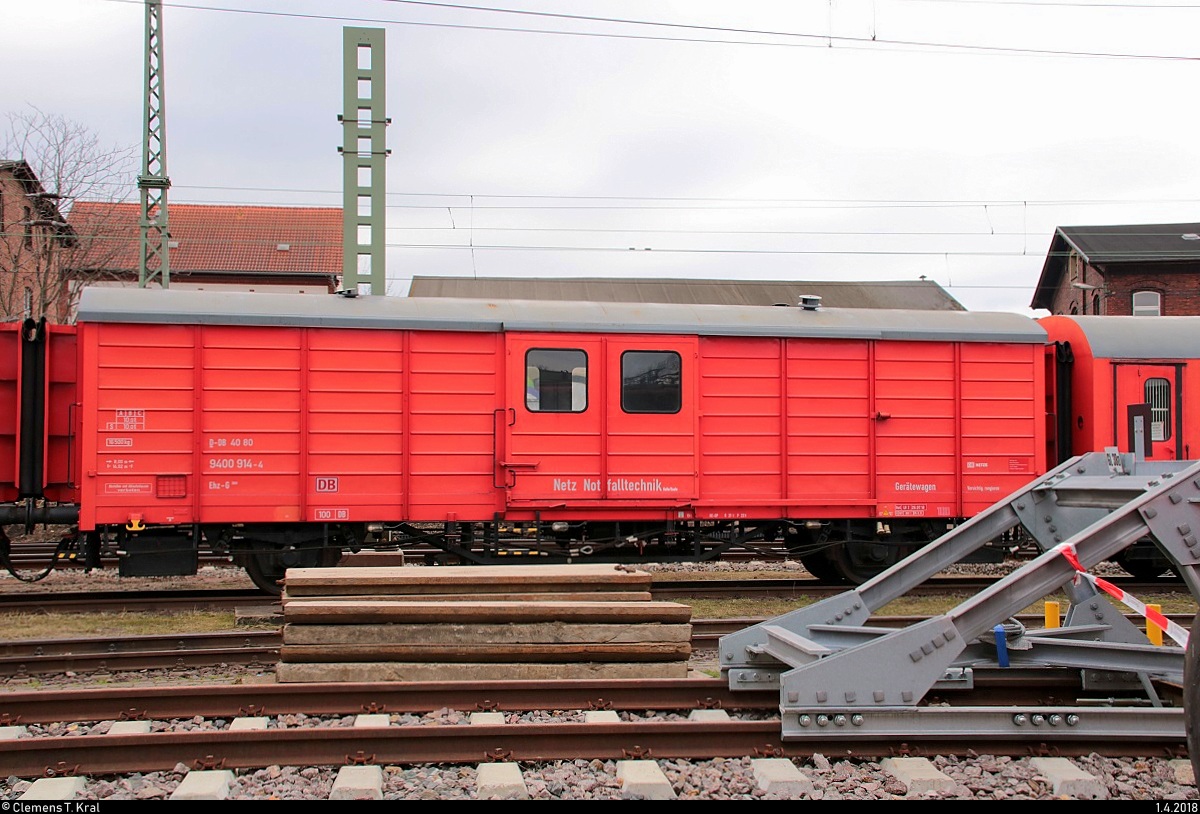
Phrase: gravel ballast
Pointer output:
(982, 777)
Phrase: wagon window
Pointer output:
(651, 382)
(1158, 396)
(555, 381)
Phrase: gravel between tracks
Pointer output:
(980, 778)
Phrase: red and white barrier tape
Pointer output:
(1172, 629)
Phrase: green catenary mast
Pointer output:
(153, 182)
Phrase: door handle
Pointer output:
(882, 416)
(519, 464)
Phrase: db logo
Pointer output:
(327, 484)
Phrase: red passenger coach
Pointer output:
(1112, 363)
(1122, 380)
(285, 428)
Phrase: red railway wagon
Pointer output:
(1115, 362)
(38, 370)
(285, 428)
(1112, 369)
(10, 379)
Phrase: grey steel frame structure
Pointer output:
(834, 672)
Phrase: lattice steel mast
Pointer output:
(364, 150)
(153, 183)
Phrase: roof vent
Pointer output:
(283, 247)
(810, 302)
(1190, 236)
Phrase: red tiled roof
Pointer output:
(217, 237)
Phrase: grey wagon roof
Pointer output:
(99, 304)
(1128, 337)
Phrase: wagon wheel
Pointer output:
(819, 565)
(863, 549)
(809, 548)
(1146, 562)
(844, 552)
(266, 564)
(857, 561)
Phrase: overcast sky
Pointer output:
(801, 140)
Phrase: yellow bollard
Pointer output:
(1052, 616)
(1153, 632)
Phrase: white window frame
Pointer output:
(1158, 396)
(1150, 304)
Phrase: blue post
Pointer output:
(1001, 645)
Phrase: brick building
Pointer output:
(1140, 270)
(33, 237)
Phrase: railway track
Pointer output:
(752, 730)
(260, 648)
(133, 600)
(191, 721)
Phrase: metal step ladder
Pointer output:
(832, 670)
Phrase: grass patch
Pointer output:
(740, 608)
(25, 626)
(1171, 602)
(779, 572)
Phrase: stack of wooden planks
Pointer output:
(464, 623)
